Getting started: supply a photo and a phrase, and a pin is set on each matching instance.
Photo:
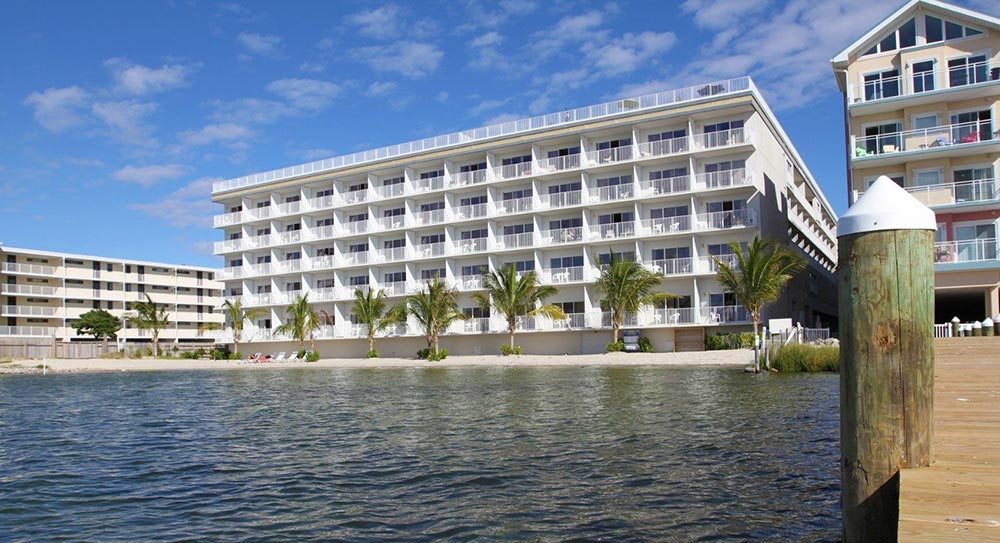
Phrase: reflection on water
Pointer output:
(462, 454)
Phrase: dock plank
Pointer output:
(957, 498)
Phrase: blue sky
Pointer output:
(118, 116)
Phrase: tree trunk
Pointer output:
(437, 350)
(156, 344)
(236, 341)
(371, 341)
(614, 329)
(756, 348)
(512, 329)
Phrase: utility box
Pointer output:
(631, 340)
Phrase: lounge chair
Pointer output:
(294, 357)
(280, 357)
(254, 357)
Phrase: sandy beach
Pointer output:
(735, 358)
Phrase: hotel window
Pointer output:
(613, 144)
(923, 76)
(571, 308)
(616, 218)
(324, 193)
(670, 173)
(74, 262)
(521, 265)
(324, 222)
(515, 160)
(235, 235)
(725, 205)
(475, 313)
(565, 223)
(394, 243)
(293, 286)
(940, 30)
(673, 211)
(721, 249)
(474, 200)
(971, 126)
(897, 178)
(667, 135)
(264, 289)
(974, 184)
(564, 187)
(358, 217)
(357, 280)
(566, 262)
(432, 273)
(290, 199)
(394, 212)
(614, 181)
(680, 302)
(263, 231)
(474, 234)
(431, 238)
(357, 248)
(358, 187)
(294, 255)
(605, 258)
(394, 277)
(293, 227)
(722, 299)
(518, 229)
(670, 253)
(432, 174)
(883, 84)
(475, 269)
(327, 282)
(236, 209)
(324, 251)
(564, 152)
(433, 206)
(393, 181)
(926, 178)
(517, 194)
(620, 149)
(723, 126)
(32, 259)
(472, 167)
(236, 263)
(882, 138)
(922, 122)
(967, 70)
(265, 203)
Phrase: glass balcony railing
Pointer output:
(938, 137)
(963, 251)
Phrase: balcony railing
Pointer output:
(474, 325)
(511, 241)
(515, 205)
(321, 202)
(722, 179)
(355, 196)
(390, 191)
(629, 319)
(230, 272)
(727, 314)
(614, 192)
(613, 230)
(263, 268)
(559, 163)
(673, 146)
(673, 266)
(666, 225)
(512, 171)
(428, 184)
(563, 199)
(469, 245)
(288, 208)
(28, 310)
(283, 238)
(355, 258)
(959, 192)
(324, 262)
(228, 246)
(389, 223)
(394, 288)
(287, 266)
(429, 217)
(356, 227)
(470, 212)
(937, 137)
(390, 254)
(469, 282)
(323, 232)
(565, 275)
(227, 219)
(462, 179)
(428, 250)
(326, 294)
(726, 219)
(956, 252)
(609, 156)
(32, 269)
(672, 316)
(263, 298)
(562, 235)
(667, 185)
(31, 290)
(914, 83)
(572, 320)
(722, 138)
(27, 330)
(711, 263)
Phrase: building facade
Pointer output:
(45, 292)
(921, 90)
(667, 179)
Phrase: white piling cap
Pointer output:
(885, 206)
(988, 322)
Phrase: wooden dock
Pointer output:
(958, 497)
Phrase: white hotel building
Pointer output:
(45, 292)
(668, 179)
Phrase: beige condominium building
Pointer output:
(667, 179)
(921, 91)
(45, 292)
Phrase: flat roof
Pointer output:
(19, 250)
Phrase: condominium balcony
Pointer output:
(514, 241)
(288, 208)
(514, 205)
(28, 269)
(394, 288)
(723, 138)
(559, 163)
(470, 211)
(512, 171)
(27, 311)
(469, 282)
(613, 193)
(227, 219)
(938, 139)
(355, 196)
(562, 199)
(571, 274)
(318, 203)
(388, 223)
(956, 193)
(722, 179)
(390, 254)
(327, 294)
(428, 184)
(253, 270)
(962, 81)
(36, 331)
(609, 156)
(466, 246)
(662, 148)
(325, 262)
(27, 290)
(288, 266)
(572, 321)
(429, 250)
(429, 217)
(321, 232)
(475, 325)
(389, 191)
(967, 252)
(721, 220)
(355, 227)
(355, 258)
(558, 236)
(613, 230)
(462, 179)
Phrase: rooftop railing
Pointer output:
(607, 109)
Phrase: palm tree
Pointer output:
(236, 315)
(757, 278)
(149, 316)
(625, 287)
(370, 310)
(300, 321)
(513, 297)
(435, 309)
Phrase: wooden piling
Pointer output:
(886, 295)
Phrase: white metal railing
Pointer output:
(389, 223)
(512, 171)
(629, 319)
(726, 219)
(722, 179)
(511, 241)
(227, 219)
(613, 230)
(390, 254)
(27, 330)
(321, 202)
(355, 196)
(429, 217)
(427, 250)
(559, 163)
(263, 298)
(323, 232)
(572, 320)
(711, 262)
(525, 323)
(469, 212)
(667, 185)
(33, 269)
(227, 246)
(565, 275)
(34, 290)
(467, 178)
(469, 282)
(673, 266)
(287, 266)
(230, 272)
(257, 213)
(390, 191)
(722, 138)
(726, 314)
(564, 199)
(514, 205)
(923, 138)
(356, 227)
(913, 82)
(607, 109)
(673, 316)
(355, 258)
(28, 310)
(290, 236)
(942, 330)
(469, 245)
(288, 208)
(394, 288)
(976, 190)
(975, 250)
(666, 225)
(608, 156)
(474, 325)
(428, 184)
(668, 147)
(324, 262)
(562, 235)
(614, 192)
(324, 294)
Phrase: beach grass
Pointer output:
(806, 358)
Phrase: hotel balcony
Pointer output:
(559, 236)
(354, 227)
(389, 191)
(613, 230)
(609, 156)
(429, 250)
(572, 321)
(319, 203)
(562, 199)
(958, 193)
(36, 331)
(428, 184)
(463, 179)
(288, 208)
(27, 290)
(663, 148)
(514, 205)
(429, 217)
(468, 246)
(514, 241)
(613, 193)
(572, 274)
(924, 87)
(951, 140)
(383, 224)
(27, 269)
(394, 288)
(469, 212)
(475, 325)
(976, 253)
(512, 171)
(27, 311)
(469, 282)
(558, 164)
(722, 139)
(355, 197)
(390, 254)
(356, 258)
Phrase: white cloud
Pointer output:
(58, 109)
(312, 67)
(139, 80)
(231, 134)
(411, 59)
(250, 111)
(125, 122)
(487, 105)
(325, 44)
(259, 44)
(379, 23)
(305, 94)
(569, 30)
(313, 154)
(188, 206)
(486, 55)
(442, 96)
(721, 14)
(381, 88)
(502, 118)
(630, 52)
(147, 176)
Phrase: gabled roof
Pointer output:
(906, 11)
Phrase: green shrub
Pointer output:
(429, 354)
(219, 354)
(312, 356)
(507, 350)
(806, 358)
(372, 353)
(190, 355)
(149, 351)
(721, 342)
(232, 356)
(302, 354)
(176, 348)
(645, 346)
(615, 346)
(137, 353)
(199, 352)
